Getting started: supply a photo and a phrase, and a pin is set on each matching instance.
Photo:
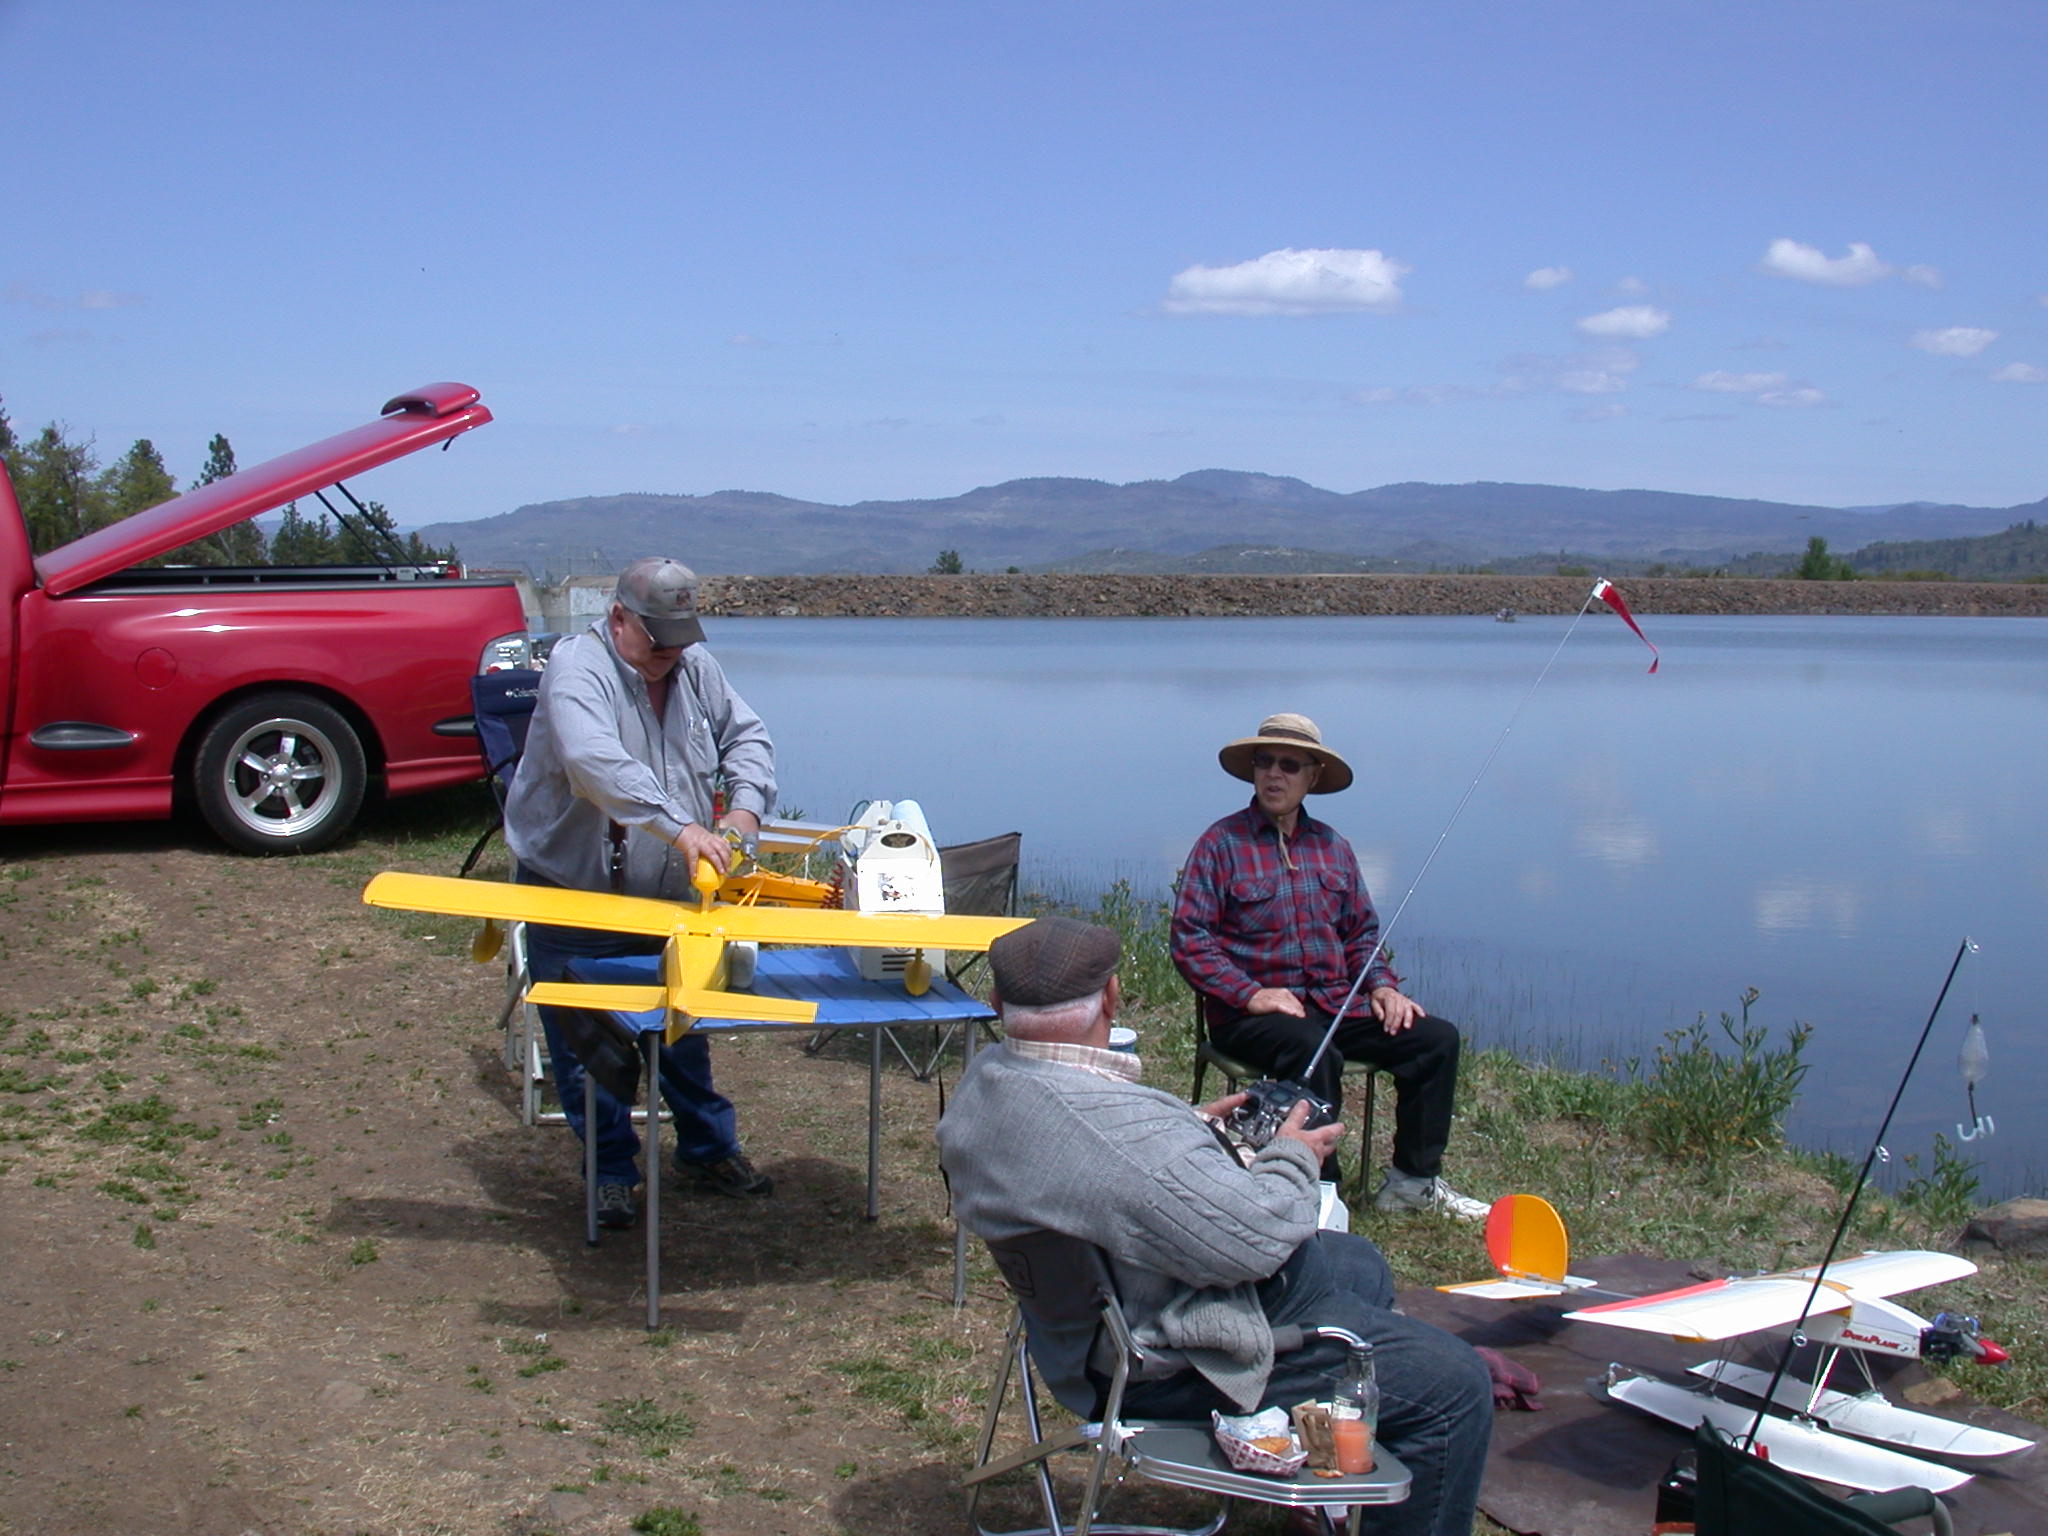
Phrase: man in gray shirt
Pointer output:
(1053, 1131)
(634, 731)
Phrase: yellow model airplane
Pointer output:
(694, 975)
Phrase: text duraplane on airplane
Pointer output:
(694, 972)
(1525, 1239)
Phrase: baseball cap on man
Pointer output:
(1053, 960)
(663, 593)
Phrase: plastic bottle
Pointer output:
(1355, 1412)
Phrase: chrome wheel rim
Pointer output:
(279, 778)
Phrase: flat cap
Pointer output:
(1053, 960)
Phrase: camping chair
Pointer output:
(980, 880)
(1236, 1071)
(1738, 1494)
(504, 702)
(1070, 1335)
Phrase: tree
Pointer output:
(136, 482)
(9, 446)
(56, 481)
(1818, 565)
(948, 563)
(220, 462)
(239, 543)
(301, 541)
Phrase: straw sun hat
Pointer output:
(1279, 732)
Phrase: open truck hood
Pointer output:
(419, 419)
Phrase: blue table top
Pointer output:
(825, 976)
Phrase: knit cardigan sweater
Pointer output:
(1031, 1144)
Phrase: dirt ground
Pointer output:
(280, 1255)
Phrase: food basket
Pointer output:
(1235, 1436)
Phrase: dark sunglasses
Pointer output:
(1290, 766)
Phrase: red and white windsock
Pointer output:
(1605, 591)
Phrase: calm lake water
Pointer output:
(1821, 809)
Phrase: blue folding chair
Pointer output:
(503, 703)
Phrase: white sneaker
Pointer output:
(1401, 1192)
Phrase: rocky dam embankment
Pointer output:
(1039, 597)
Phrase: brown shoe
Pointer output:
(733, 1176)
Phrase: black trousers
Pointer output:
(1423, 1060)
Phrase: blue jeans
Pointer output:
(1436, 1398)
(707, 1126)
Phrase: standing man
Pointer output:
(1053, 1131)
(1273, 924)
(635, 727)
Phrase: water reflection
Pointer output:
(1642, 849)
(1792, 906)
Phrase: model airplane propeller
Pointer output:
(696, 969)
(1525, 1239)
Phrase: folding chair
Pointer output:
(1236, 1071)
(1070, 1335)
(981, 881)
(503, 703)
(1738, 1494)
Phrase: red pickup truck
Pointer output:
(271, 698)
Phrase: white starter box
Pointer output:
(889, 863)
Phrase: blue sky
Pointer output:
(878, 250)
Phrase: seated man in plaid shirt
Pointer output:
(1272, 924)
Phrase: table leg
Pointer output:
(652, 1044)
(960, 1232)
(589, 1160)
(874, 1122)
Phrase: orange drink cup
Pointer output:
(1354, 1445)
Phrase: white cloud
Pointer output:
(1740, 383)
(744, 339)
(1788, 258)
(1543, 279)
(1634, 322)
(1604, 412)
(89, 299)
(1290, 282)
(1925, 276)
(1764, 388)
(1634, 287)
(2020, 373)
(1954, 341)
(1591, 381)
(1798, 396)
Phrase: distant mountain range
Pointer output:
(1212, 519)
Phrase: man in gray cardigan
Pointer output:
(1052, 1130)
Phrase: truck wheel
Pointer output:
(280, 773)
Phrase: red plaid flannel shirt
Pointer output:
(1252, 913)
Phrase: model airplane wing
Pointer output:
(638, 914)
(521, 903)
(1723, 1309)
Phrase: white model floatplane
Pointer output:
(1849, 1318)
(699, 968)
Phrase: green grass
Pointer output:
(654, 1429)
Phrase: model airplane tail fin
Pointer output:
(1525, 1239)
